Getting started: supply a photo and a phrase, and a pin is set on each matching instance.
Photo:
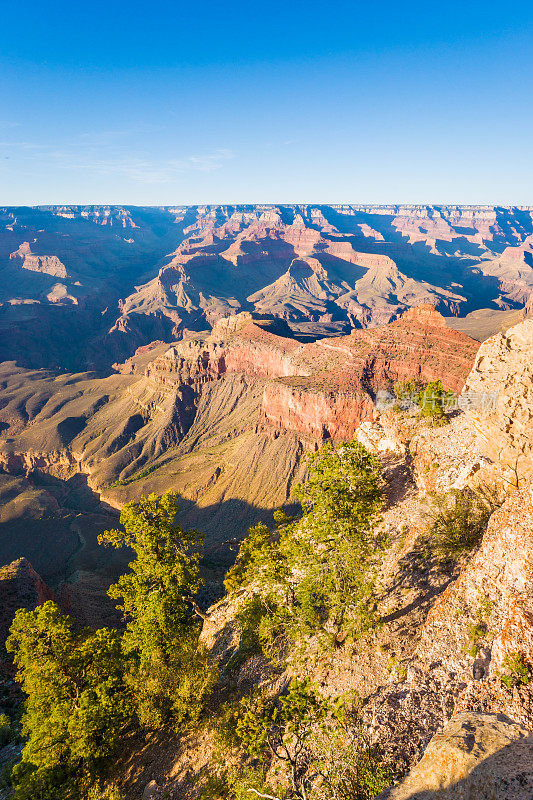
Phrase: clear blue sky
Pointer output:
(166, 102)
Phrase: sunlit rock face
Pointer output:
(501, 389)
(476, 756)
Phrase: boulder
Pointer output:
(476, 757)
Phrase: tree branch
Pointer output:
(196, 608)
(268, 796)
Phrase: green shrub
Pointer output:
(518, 670)
(315, 747)
(476, 632)
(434, 401)
(316, 575)
(6, 732)
(352, 768)
(459, 521)
(85, 686)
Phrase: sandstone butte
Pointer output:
(324, 389)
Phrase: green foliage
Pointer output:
(136, 477)
(108, 793)
(170, 673)
(350, 767)
(282, 727)
(518, 670)
(316, 575)
(476, 632)
(251, 618)
(459, 521)
(215, 786)
(484, 608)
(407, 390)
(84, 687)
(272, 724)
(6, 731)
(77, 701)
(434, 401)
(256, 545)
(310, 746)
(240, 783)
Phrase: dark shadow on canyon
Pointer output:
(58, 521)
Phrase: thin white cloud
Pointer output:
(144, 170)
(86, 156)
(112, 136)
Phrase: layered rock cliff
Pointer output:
(224, 419)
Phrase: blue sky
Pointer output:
(158, 103)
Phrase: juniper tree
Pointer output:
(77, 702)
(317, 573)
(170, 672)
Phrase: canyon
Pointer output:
(207, 350)
(224, 419)
(122, 277)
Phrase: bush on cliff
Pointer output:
(304, 747)
(169, 674)
(316, 575)
(459, 520)
(432, 399)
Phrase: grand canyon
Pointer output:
(123, 277)
(210, 350)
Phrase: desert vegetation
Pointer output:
(311, 577)
(315, 575)
(431, 399)
(85, 687)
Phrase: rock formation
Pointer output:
(478, 631)
(476, 757)
(501, 402)
(123, 277)
(20, 587)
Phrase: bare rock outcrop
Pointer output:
(498, 398)
(475, 757)
(495, 591)
(20, 587)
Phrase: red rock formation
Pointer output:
(325, 388)
(317, 414)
